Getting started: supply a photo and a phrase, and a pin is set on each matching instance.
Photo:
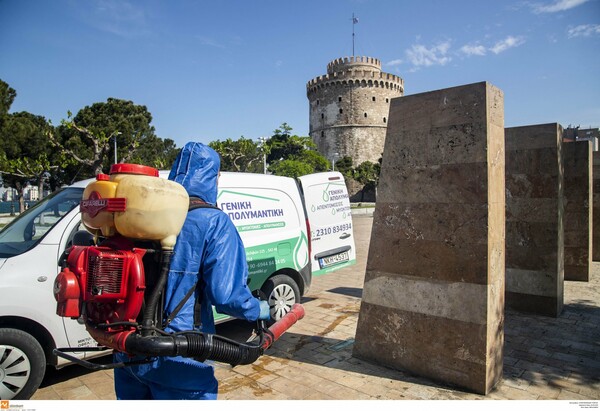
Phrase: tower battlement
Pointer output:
(353, 69)
(378, 79)
(350, 63)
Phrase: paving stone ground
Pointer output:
(544, 358)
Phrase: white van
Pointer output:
(291, 229)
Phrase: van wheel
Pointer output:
(282, 293)
(22, 364)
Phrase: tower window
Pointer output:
(365, 115)
(318, 102)
(373, 98)
(339, 99)
(322, 115)
(384, 120)
(341, 111)
(322, 134)
(387, 100)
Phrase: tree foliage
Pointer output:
(25, 155)
(283, 145)
(314, 159)
(156, 152)
(291, 168)
(242, 155)
(345, 166)
(287, 154)
(367, 173)
(89, 136)
(7, 96)
(298, 154)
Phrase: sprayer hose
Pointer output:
(151, 306)
(212, 347)
(199, 346)
(202, 346)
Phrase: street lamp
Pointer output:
(333, 161)
(263, 141)
(115, 134)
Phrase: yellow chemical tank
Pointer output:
(96, 197)
(135, 203)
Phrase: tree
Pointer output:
(7, 96)
(242, 155)
(25, 155)
(289, 149)
(344, 166)
(367, 173)
(313, 159)
(88, 137)
(287, 154)
(283, 145)
(156, 152)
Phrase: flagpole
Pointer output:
(353, 23)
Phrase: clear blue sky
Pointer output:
(211, 70)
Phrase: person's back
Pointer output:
(209, 258)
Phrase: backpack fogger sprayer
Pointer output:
(117, 288)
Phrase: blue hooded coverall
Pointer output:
(208, 251)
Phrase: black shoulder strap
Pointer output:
(197, 308)
(196, 202)
(180, 305)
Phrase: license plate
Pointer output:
(333, 259)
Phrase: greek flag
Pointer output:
(354, 20)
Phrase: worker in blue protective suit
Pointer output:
(208, 252)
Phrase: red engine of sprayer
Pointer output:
(105, 284)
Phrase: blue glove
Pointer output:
(265, 311)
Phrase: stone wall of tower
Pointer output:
(361, 143)
(349, 107)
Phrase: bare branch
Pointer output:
(65, 150)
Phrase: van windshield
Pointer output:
(28, 229)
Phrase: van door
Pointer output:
(328, 209)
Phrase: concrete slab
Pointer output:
(433, 301)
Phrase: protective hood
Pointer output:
(197, 169)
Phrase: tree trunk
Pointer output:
(41, 189)
(20, 187)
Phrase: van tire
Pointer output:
(30, 363)
(282, 293)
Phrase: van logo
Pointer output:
(96, 204)
(4, 405)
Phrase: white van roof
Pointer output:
(82, 183)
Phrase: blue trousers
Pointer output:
(129, 386)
